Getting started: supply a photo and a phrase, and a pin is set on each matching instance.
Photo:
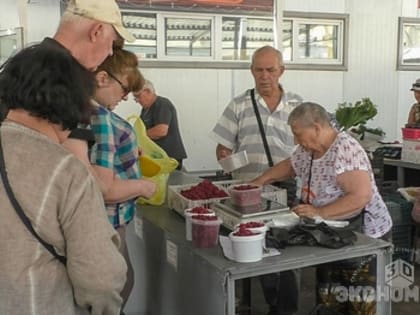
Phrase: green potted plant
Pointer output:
(353, 119)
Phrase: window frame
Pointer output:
(401, 66)
(341, 20)
(215, 60)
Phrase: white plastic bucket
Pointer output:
(247, 248)
(188, 224)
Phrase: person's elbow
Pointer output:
(158, 131)
(363, 196)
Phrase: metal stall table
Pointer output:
(402, 168)
(184, 280)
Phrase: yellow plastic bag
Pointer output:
(155, 164)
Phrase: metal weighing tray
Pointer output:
(232, 216)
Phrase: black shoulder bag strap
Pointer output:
(20, 211)
(262, 132)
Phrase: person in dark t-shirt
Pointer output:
(160, 118)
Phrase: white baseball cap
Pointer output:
(106, 11)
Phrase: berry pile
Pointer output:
(244, 232)
(200, 210)
(244, 187)
(203, 190)
(204, 217)
(252, 224)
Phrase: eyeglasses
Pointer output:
(125, 89)
(137, 94)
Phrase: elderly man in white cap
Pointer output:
(414, 115)
(88, 29)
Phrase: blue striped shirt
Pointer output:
(116, 148)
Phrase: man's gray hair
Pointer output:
(149, 86)
(308, 113)
(267, 48)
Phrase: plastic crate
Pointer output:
(179, 203)
(411, 133)
(403, 226)
(399, 209)
(402, 238)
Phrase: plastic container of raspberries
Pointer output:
(205, 231)
(188, 213)
(247, 246)
(245, 195)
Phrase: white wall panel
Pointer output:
(330, 6)
(322, 87)
(372, 59)
(38, 11)
(409, 8)
(9, 15)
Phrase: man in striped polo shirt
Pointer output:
(238, 130)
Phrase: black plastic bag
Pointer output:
(310, 235)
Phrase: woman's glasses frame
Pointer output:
(125, 88)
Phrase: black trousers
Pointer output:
(281, 291)
(179, 167)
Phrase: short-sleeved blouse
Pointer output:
(345, 154)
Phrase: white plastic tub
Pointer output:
(234, 161)
(245, 198)
(247, 248)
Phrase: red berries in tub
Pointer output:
(246, 195)
(205, 230)
(252, 224)
(200, 210)
(244, 232)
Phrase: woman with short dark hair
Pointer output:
(46, 93)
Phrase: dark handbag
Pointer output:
(22, 216)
